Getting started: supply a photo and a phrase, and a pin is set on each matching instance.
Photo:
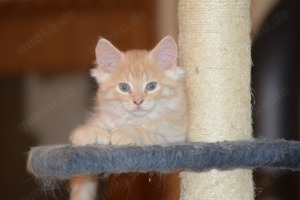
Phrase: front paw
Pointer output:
(120, 136)
(83, 136)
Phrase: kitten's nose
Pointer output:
(138, 102)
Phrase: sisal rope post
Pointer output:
(214, 41)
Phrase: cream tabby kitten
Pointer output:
(140, 101)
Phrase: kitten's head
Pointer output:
(140, 80)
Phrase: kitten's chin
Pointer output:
(139, 113)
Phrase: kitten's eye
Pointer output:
(151, 86)
(124, 87)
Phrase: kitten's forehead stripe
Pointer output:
(137, 68)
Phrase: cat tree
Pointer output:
(214, 49)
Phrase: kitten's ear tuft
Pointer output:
(165, 53)
(107, 55)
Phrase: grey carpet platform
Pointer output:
(64, 161)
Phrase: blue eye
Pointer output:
(124, 87)
(151, 86)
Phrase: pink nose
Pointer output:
(138, 102)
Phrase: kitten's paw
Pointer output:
(120, 137)
(83, 136)
(103, 137)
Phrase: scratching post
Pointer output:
(214, 41)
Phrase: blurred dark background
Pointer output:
(275, 78)
(47, 48)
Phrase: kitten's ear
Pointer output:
(165, 53)
(107, 55)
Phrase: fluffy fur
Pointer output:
(140, 115)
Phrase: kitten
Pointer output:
(141, 101)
